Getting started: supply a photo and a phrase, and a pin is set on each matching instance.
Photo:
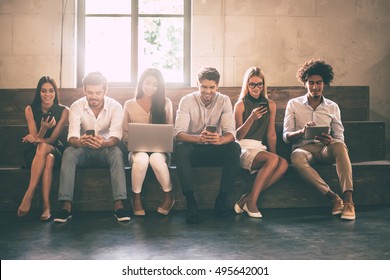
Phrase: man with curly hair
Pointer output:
(313, 109)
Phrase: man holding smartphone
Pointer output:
(313, 109)
(205, 135)
(95, 129)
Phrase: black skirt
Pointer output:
(30, 150)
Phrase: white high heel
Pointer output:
(252, 214)
(237, 207)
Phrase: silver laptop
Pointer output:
(143, 137)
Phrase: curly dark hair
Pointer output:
(315, 67)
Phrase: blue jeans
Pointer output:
(84, 157)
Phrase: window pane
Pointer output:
(161, 7)
(107, 47)
(107, 6)
(161, 46)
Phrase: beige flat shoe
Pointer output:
(165, 211)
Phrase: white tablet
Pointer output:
(317, 130)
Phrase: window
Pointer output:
(121, 38)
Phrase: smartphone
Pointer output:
(46, 115)
(90, 132)
(211, 128)
(263, 104)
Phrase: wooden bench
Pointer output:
(353, 100)
(365, 140)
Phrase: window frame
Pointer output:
(134, 16)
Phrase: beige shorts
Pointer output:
(249, 149)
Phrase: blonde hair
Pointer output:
(253, 72)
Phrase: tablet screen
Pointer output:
(312, 131)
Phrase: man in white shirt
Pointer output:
(199, 145)
(95, 129)
(314, 109)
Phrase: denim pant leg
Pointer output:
(230, 166)
(114, 157)
(71, 158)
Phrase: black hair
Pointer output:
(158, 99)
(36, 103)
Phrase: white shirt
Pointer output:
(107, 124)
(299, 112)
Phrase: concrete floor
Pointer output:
(297, 234)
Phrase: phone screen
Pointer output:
(263, 104)
(90, 132)
(211, 128)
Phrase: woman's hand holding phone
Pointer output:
(258, 112)
(48, 121)
(47, 117)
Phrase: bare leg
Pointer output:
(37, 167)
(46, 185)
(271, 168)
(278, 173)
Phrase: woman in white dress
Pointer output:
(255, 123)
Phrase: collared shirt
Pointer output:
(299, 112)
(192, 115)
(107, 124)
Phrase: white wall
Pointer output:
(278, 36)
(232, 35)
(30, 42)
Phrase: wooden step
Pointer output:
(93, 188)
